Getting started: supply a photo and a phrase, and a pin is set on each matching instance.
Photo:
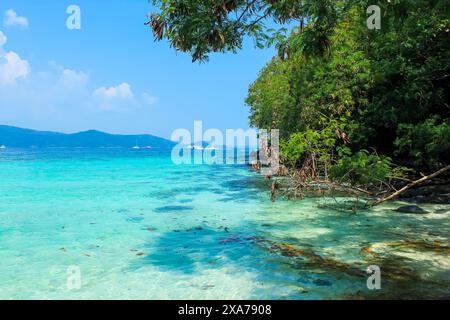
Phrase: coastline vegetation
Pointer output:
(360, 109)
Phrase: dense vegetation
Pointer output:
(352, 104)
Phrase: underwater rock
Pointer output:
(173, 209)
(208, 286)
(411, 209)
(302, 290)
(322, 283)
(267, 225)
(309, 256)
(230, 239)
(382, 247)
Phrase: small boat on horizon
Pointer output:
(136, 147)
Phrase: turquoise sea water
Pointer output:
(139, 227)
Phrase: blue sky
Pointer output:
(110, 75)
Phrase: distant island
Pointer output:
(14, 137)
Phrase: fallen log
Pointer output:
(410, 185)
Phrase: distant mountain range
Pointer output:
(25, 138)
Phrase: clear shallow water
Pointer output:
(140, 227)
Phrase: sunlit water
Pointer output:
(140, 227)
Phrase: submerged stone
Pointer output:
(207, 286)
(267, 225)
(149, 228)
(302, 290)
(322, 283)
(173, 208)
(411, 209)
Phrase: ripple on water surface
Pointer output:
(138, 226)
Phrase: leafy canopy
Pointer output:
(200, 27)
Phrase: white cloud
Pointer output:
(12, 67)
(73, 78)
(12, 19)
(61, 90)
(120, 97)
(3, 39)
(149, 99)
(122, 91)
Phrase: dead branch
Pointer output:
(409, 186)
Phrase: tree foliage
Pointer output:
(362, 168)
(335, 88)
(391, 85)
(200, 27)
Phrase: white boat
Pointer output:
(148, 147)
(136, 147)
(2, 147)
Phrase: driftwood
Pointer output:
(409, 186)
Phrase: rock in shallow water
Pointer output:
(411, 209)
(322, 283)
(173, 208)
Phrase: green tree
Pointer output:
(200, 27)
(390, 87)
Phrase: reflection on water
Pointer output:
(140, 227)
